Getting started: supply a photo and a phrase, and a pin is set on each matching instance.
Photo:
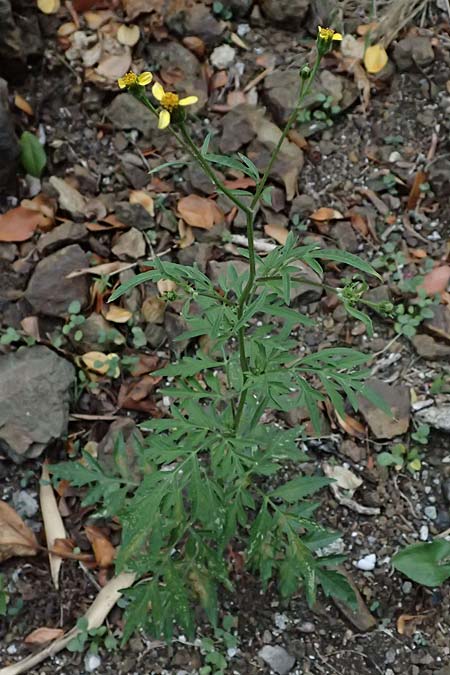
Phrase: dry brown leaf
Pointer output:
(375, 58)
(359, 223)
(195, 45)
(16, 538)
(96, 20)
(23, 105)
(135, 395)
(53, 523)
(153, 309)
(101, 363)
(114, 66)
(166, 286)
(197, 211)
(186, 234)
(277, 232)
(407, 623)
(437, 280)
(42, 635)
(19, 224)
(415, 193)
(326, 213)
(64, 548)
(128, 35)
(109, 269)
(44, 204)
(117, 314)
(351, 426)
(66, 29)
(49, 6)
(134, 8)
(104, 551)
(143, 198)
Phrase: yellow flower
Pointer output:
(131, 80)
(169, 103)
(325, 39)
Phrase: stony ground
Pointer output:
(379, 158)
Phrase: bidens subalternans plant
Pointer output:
(209, 478)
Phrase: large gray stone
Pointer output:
(34, 400)
(9, 146)
(290, 13)
(49, 291)
(277, 658)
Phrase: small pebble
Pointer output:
(367, 563)
(307, 627)
(430, 512)
(92, 662)
(222, 57)
(424, 532)
(407, 587)
(281, 621)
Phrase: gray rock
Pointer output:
(237, 129)
(303, 206)
(397, 398)
(67, 233)
(198, 253)
(345, 236)
(34, 400)
(239, 8)
(195, 20)
(9, 146)
(25, 504)
(134, 215)
(427, 347)
(130, 245)
(437, 417)
(277, 658)
(430, 512)
(125, 113)
(12, 58)
(445, 487)
(289, 13)
(99, 335)
(49, 292)
(413, 50)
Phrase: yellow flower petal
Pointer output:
(189, 100)
(121, 83)
(337, 36)
(145, 78)
(164, 119)
(158, 91)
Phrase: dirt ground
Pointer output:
(364, 161)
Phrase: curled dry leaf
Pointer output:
(104, 551)
(143, 198)
(23, 105)
(326, 213)
(277, 232)
(199, 212)
(407, 623)
(344, 478)
(19, 224)
(42, 635)
(101, 363)
(66, 29)
(16, 538)
(49, 6)
(53, 523)
(128, 35)
(117, 314)
(415, 192)
(437, 280)
(186, 234)
(375, 58)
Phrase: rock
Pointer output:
(122, 430)
(92, 662)
(25, 504)
(439, 175)
(222, 57)
(289, 13)
(221, 269)
(424, 533)
(302, 206)
(445, 488)
(442, 520)
(125, 113)
(67, 233)
(397, 398)
(9, 146)
(48, 297)
(198, 253)
(237, 128)
(367, 564)
(195, 20)
(134, 215)
(239, 8)
(69, 198)
(345, 236)
(174, 326)
(11, 282)
(428, 348)
(437, 417)
(199, 180)
(277, 658)
(12, 58)
(34, 400)
(439, 324)
(99, 335)
(430, 512)
(414, 50)
(130, 245)
(355, 452)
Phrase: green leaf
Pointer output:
(335, 585)
(137, 611)
(346, 258)
(267, 195)
(187, 367)
(32, 154)
(300, 487)
(427, 564)
(167, 165)
(388, 459)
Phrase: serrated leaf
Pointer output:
(300, 487)
(32, 154)
(335, 585)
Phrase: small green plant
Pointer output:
(221, 11)
(212, 475)
(11, 337)
(213, 648)
(401, 455)
(4, 597)
(92, 638)
(74, 321)
(325, 113)
(409, 316)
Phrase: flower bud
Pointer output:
(305, 72)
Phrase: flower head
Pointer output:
(325, 39)
(130, 80)
(169, 102)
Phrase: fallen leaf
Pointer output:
(277, 232)
(16, 538)
(117, 314)
(104, 551)
(143, 198)
(49, 6)
(195, 45)
(42, 635)
(363, 84)
(437, 280)
(352, 48)
(344, 478)
(197, 211)
(166, 286)
(359, 223)
(101, 363)
(53, 523)
(45, 205)
(64, 548)
(23, 105)
(351, 426)
(115, 65)
(326, 213)
(407, 623)
(105, 269)
(375, 58)
(186, 234)
(19, 224)
(147, 363)
(134, 8)
(128, 35)
(415, 193)
(66, 29)
(134, 395)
